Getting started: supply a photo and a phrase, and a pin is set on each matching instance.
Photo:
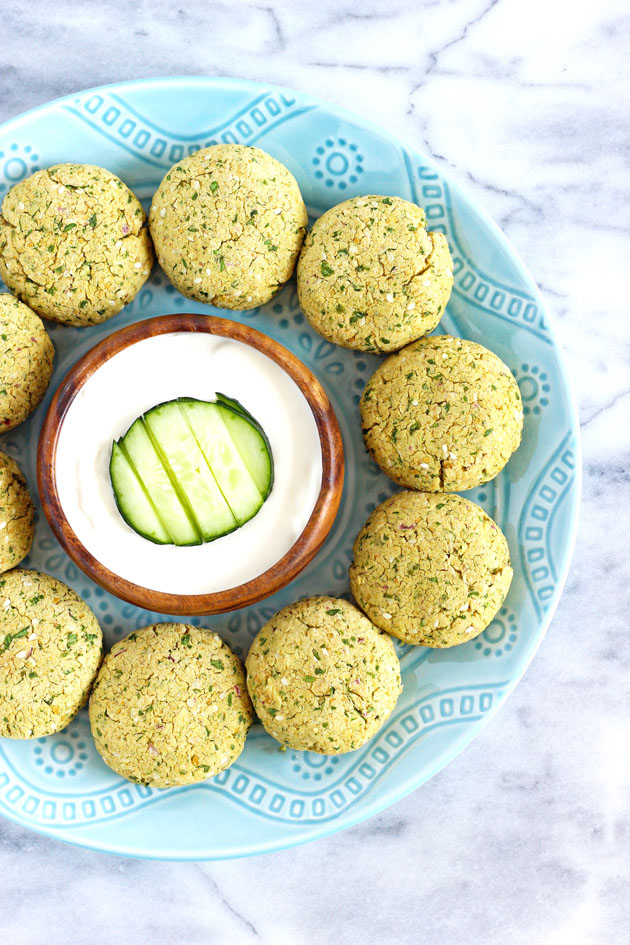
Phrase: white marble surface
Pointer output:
(525, 837)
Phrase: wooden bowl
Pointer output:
(270, 581)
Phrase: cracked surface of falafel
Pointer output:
(74, 244)
(322, 677)
(442, 415)
(430, 568)
(17, 515)
(26, 361)
(371, 277)
(50, 649)
(170, 706)
(228, 223)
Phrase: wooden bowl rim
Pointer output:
(263, 585)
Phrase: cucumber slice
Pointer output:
(253, 446)
(141, 452)
(210, 432)
(237, 406)
(190, 471)
(179, 449)
(133, 503)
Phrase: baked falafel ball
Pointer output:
(170, 706)
(26, 361)
(442, 415)
(371, 277)
(322, 677)
(228, 223)
(74, 244)
(50, 649)
(17, 515)
(430, 568)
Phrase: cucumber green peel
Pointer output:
(189, 471)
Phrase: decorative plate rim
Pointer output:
(389, 794)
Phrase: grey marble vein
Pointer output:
(525, 837)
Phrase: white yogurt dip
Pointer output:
(187, 364)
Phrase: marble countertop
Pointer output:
(525, 837)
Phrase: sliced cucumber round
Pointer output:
(189, 471)
(253, 446)
(130, 493)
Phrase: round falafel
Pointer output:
(74, 245)
(26, 361)
(431, 569)
(170, 706)
(50, 649)
(322, 677)
(371, 277)
(227, 223)
(17, 515)
(442, 415)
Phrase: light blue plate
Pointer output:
(271, 799)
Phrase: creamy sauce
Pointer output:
(193, 365)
